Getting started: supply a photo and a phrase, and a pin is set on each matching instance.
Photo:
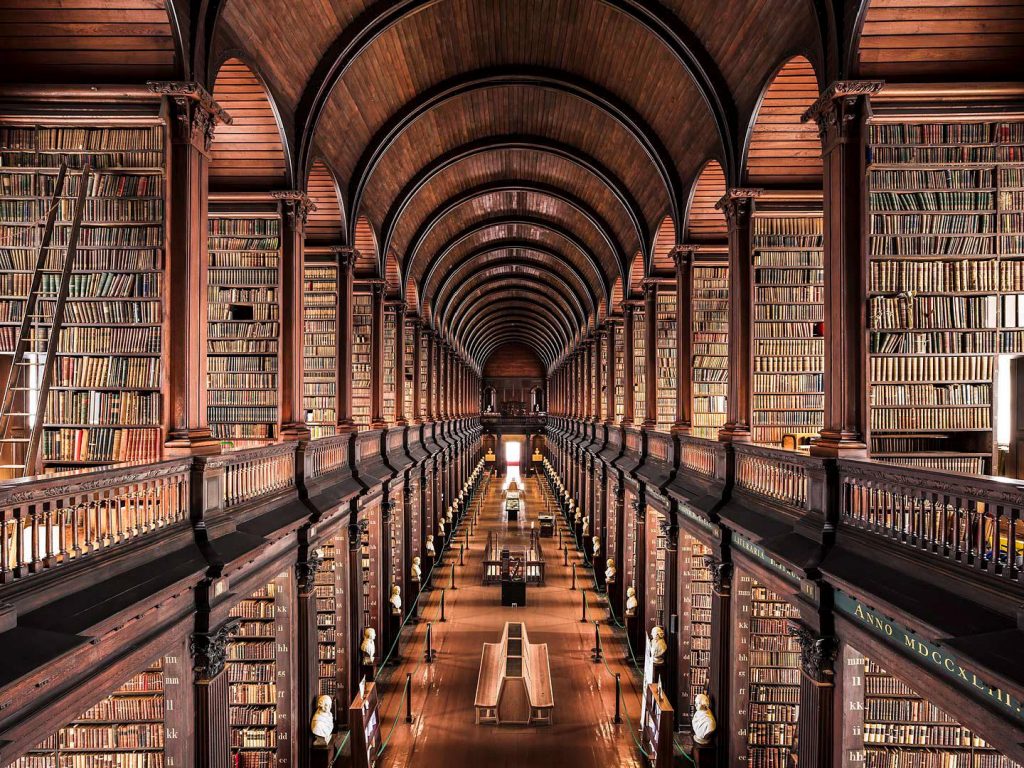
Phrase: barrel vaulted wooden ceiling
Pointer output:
(501, 162)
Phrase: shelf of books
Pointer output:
(789, 328)
(389, 389)
(666, 359)
(320, 345)
(901, 728)
(945, 286)
(362, 330)
(768, 668)
(257, 669)
(602, 404)
(620, 373)
(244, 322)
(423, 382)
(710, 368)
(125, 729)
(639, 369)
(105, 401)
(327, 620)
(407, 371)
(695, 639)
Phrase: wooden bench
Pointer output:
(514, 685)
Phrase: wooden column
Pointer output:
(588, 379)
(815, 732)
(212, 724)
(841, 114)
(719, 677)
(627, 364)
(650, 354)
(683, 258)
(296, 208)
(377, 356)
(738, 206)
(609, 393)
(195, 114)
(308, 657)
(343, 372)
(442, 378)
(417, 363)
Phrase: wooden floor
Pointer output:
(443, 733)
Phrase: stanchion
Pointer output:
(573, 587)
(559, 537)
(467, 536)
(453, 587)
(442, 619)
(462, 554)
(618, 698)
(429, 654)
(583, 618)
(565, 555)
(408, 697)
(596, 650)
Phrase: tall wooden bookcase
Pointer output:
(710, 329)
(320, 342)
(243, 359)
(666, 355)
(106, 402)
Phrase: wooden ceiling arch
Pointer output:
(496, 329)
(661, 249)
(510, 337)
(665, 28)
(517, 254)
(539, 299)
(364, 240)
(705, 223)
(559, 329)
(595, 228)
(498, 227)
(326, 222)
(545, 282)
(539, 77)
(522, 144)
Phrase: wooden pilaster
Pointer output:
(683, 258)
(346, 262)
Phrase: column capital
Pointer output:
(839, 103)
(377, 287)
(345, 254)
(197, 113)
(682, 255)
(721, 574)
(737, 203)
(297, 205)
(307, 569)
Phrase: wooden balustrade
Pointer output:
(259, 472)
(775, 474)
(46, 522)
(972, 521)
(326, 455)
(698, 455)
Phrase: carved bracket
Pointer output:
(817, 654)
(721, 573)
(306, 570)
(297, 205)
(196, 111)
(840, 105)
(210, 649)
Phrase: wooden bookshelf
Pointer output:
(695, 638)
(768, 668)
(257, 669)
(620, 374)
(666, 356)
(320, 345)
(105, 404)
(639, 366)
(945, 286)
(407, 372)
(902, 728)
(324, 592)
(362, 333)
(244, 322)
(789, 327)
(602, 401)
(710, 363)
(424, 383)
(126, 729)
(389, 382)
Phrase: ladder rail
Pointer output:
(32, 451)
(32, 299)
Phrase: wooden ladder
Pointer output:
(27, 389)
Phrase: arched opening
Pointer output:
(704, 223)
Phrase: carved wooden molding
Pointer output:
(297, 204)
(817, 653)
(839, 89)
(210, 649)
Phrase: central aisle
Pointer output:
(443, 733)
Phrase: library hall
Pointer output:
(511, 383)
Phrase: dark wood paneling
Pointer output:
(783, 151)
(249, 153)
(76, 41)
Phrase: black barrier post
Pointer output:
(453, 587)
(428, 654)
(442, 619)
(573, 587)
(408, 697)
(583, 618)
(618, 698)
(597, 643)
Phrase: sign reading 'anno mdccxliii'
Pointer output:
(930, 653)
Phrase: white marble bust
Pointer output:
(431, 552)
(658, 645)
(703, 721)
(396, 599)
(631, 601)
(322, 724)
(609, 572)
(596, 540)
(416, 570)
(369, 645)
